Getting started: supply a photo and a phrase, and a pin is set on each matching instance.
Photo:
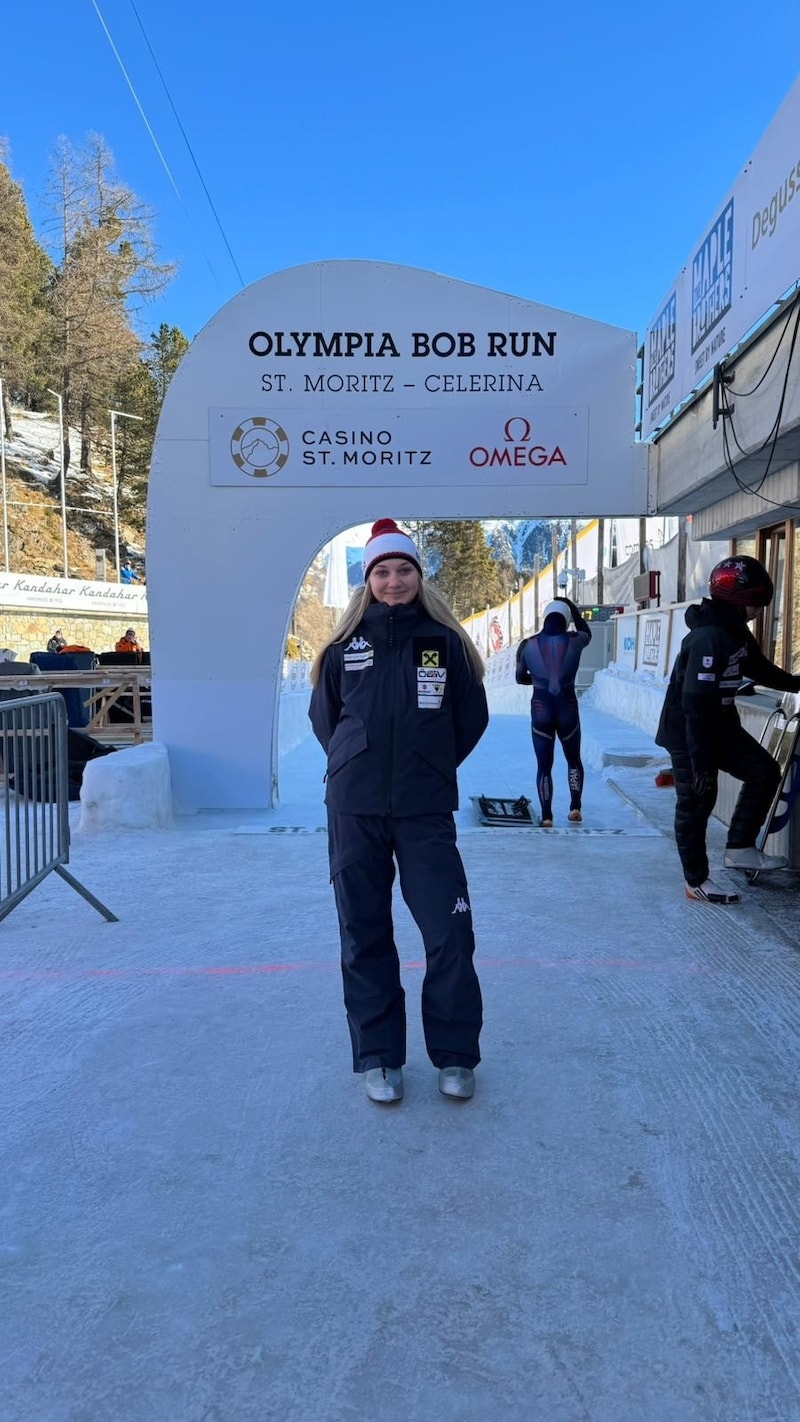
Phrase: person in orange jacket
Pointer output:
(129, 643)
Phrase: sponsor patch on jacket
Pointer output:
(430, 652)
(430, 661)
(706, 676)
(358, 654)
(732, 673)
(431, 682)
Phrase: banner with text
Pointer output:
(72, 595)
(440, 447)
(745, 261)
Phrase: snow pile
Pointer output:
(128, 790)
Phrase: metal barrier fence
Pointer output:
(34, 810)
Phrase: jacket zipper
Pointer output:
(391, 646)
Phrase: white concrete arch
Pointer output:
(333, 394)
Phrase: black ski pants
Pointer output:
(741, 756)
(363, 852)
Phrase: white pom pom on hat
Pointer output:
(389, 541)
(560, 607)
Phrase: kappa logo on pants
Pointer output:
(461, 906)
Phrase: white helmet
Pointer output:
(558, 606)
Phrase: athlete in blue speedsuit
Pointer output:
(549, 662)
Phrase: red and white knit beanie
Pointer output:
(389, 541)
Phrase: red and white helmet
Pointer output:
(742, 581)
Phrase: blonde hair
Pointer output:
(433, 603)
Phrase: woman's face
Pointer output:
(395, 581)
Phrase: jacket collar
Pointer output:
(380, 618)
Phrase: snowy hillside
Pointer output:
(32, 463)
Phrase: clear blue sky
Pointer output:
(570, 153)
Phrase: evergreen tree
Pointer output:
(168, 346)
(106, 267)
(141, 391)
(467, 575)
(24, 273)
(502, 552)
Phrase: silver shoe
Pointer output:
(710, 893)
(385, 1084)
(753, 858)
(457, 1081)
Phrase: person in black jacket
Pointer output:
(549, 662)
(700, 725)
(397, 705)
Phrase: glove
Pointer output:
(748, 688)
(704, 784)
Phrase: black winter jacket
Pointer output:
(397, 708)
(699, 713)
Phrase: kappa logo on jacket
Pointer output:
(461, 906)
(358, 654)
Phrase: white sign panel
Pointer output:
(625, 630)
(746, 260)
(651, 642)
(423, 447)
(326, 397)
(71, 595)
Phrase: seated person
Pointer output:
(57, 642)
(129, 643)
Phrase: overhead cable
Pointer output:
(185, 138)
(135, 97)
(774, 431)
(744, 394)
(153, 138)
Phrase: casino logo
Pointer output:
(259, 447)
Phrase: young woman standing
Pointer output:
(397, 705)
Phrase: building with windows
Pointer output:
(720, 388)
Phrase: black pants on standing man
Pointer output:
(741, 756)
